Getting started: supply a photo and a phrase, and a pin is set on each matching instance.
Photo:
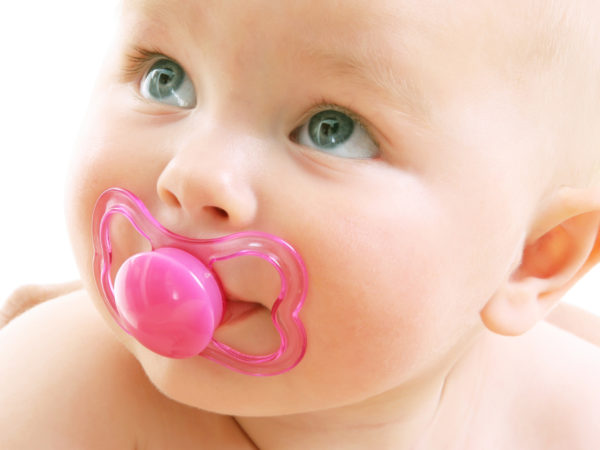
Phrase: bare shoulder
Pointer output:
(577, 321)
(573, 374)
(66, 382)
(27, 296)
(557, 398)
(539, 391)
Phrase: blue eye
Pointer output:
(167, 82)
(335, 133)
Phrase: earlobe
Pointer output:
(562, 248)
(516, 307)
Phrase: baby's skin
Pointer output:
(435, 163)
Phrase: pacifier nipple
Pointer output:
(169, 301)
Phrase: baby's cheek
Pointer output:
(357, 326)
(381, 296)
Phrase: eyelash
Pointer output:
(139, 61)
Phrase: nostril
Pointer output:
(169, 198)
(217, 212)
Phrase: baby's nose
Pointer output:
(212, 187)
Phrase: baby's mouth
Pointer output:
(250, 285)
(238, 310)
(249, 279)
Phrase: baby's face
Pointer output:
(377, 137)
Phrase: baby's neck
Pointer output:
(408, 417)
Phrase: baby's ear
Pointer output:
(562, 246)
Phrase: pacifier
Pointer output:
(171, 300)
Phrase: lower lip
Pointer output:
(236, 311)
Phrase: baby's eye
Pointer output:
(336, 133)
(167, 82)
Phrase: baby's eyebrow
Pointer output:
(371, 68)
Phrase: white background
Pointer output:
(50, 53)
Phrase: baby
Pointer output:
(436, 164)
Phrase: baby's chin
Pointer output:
(205, 384)
(200, 383)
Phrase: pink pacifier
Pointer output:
(171, 300)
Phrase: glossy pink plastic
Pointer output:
(171, 300)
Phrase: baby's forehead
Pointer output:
(525, 24)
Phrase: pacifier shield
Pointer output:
(170, 299)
